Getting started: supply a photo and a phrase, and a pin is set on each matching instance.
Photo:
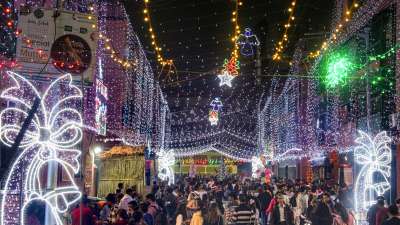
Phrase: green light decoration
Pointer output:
(336, 68)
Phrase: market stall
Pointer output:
(121, 164)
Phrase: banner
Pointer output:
(52, 43)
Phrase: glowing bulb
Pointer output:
(98, 150)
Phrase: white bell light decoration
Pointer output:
(374, 156)
(166, 159)
(50, 140)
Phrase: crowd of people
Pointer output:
(231, 201)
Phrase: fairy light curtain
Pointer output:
(140, 114)
(236, 133)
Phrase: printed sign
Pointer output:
(53, 43)
(101, 107)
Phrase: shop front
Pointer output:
(209, 163)
(121, 164)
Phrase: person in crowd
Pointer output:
(147, 217)
(322, 215)
(120, 188)
(87, 214)
(197, 217)
(137, 219)
(133, 207)
(180, 215)
(154, 188)
(153, 208)
(214, 216)
(105, 212)
(122, 217)
(192, 203)
(394, 217)
(170, 202)
(243, 214)
(123, 204)
(265, 198)
(373, 210)
(342, 216)
(310, 215)
(281, 214)
(398, 203)
(381, 213)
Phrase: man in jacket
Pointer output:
(281, 214)
(265, 198)
(323, 214)
(373, 210)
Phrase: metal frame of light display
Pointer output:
(51, 139)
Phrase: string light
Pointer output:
(147, 18)
(232, 65)
(279, 47)
(336, 32)
(50, 139)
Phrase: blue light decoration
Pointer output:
(213, 115)
(247, 41)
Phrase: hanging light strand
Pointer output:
(336, 32)
(235, 36)
(280, 46)
(156, 46)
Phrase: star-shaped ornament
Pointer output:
(225, 79)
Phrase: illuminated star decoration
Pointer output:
(50, 140)
(374, 156)
(166, 159)
(247, 41)
(213, 115)
(337, 68)
(225, 79)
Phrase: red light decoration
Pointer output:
(232, 66)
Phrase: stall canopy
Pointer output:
(121, 164)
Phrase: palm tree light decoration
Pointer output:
(49, 142)
(256, 166)
(374, 156)
(166, 159)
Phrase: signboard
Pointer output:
(101, 107)
(53, 43)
